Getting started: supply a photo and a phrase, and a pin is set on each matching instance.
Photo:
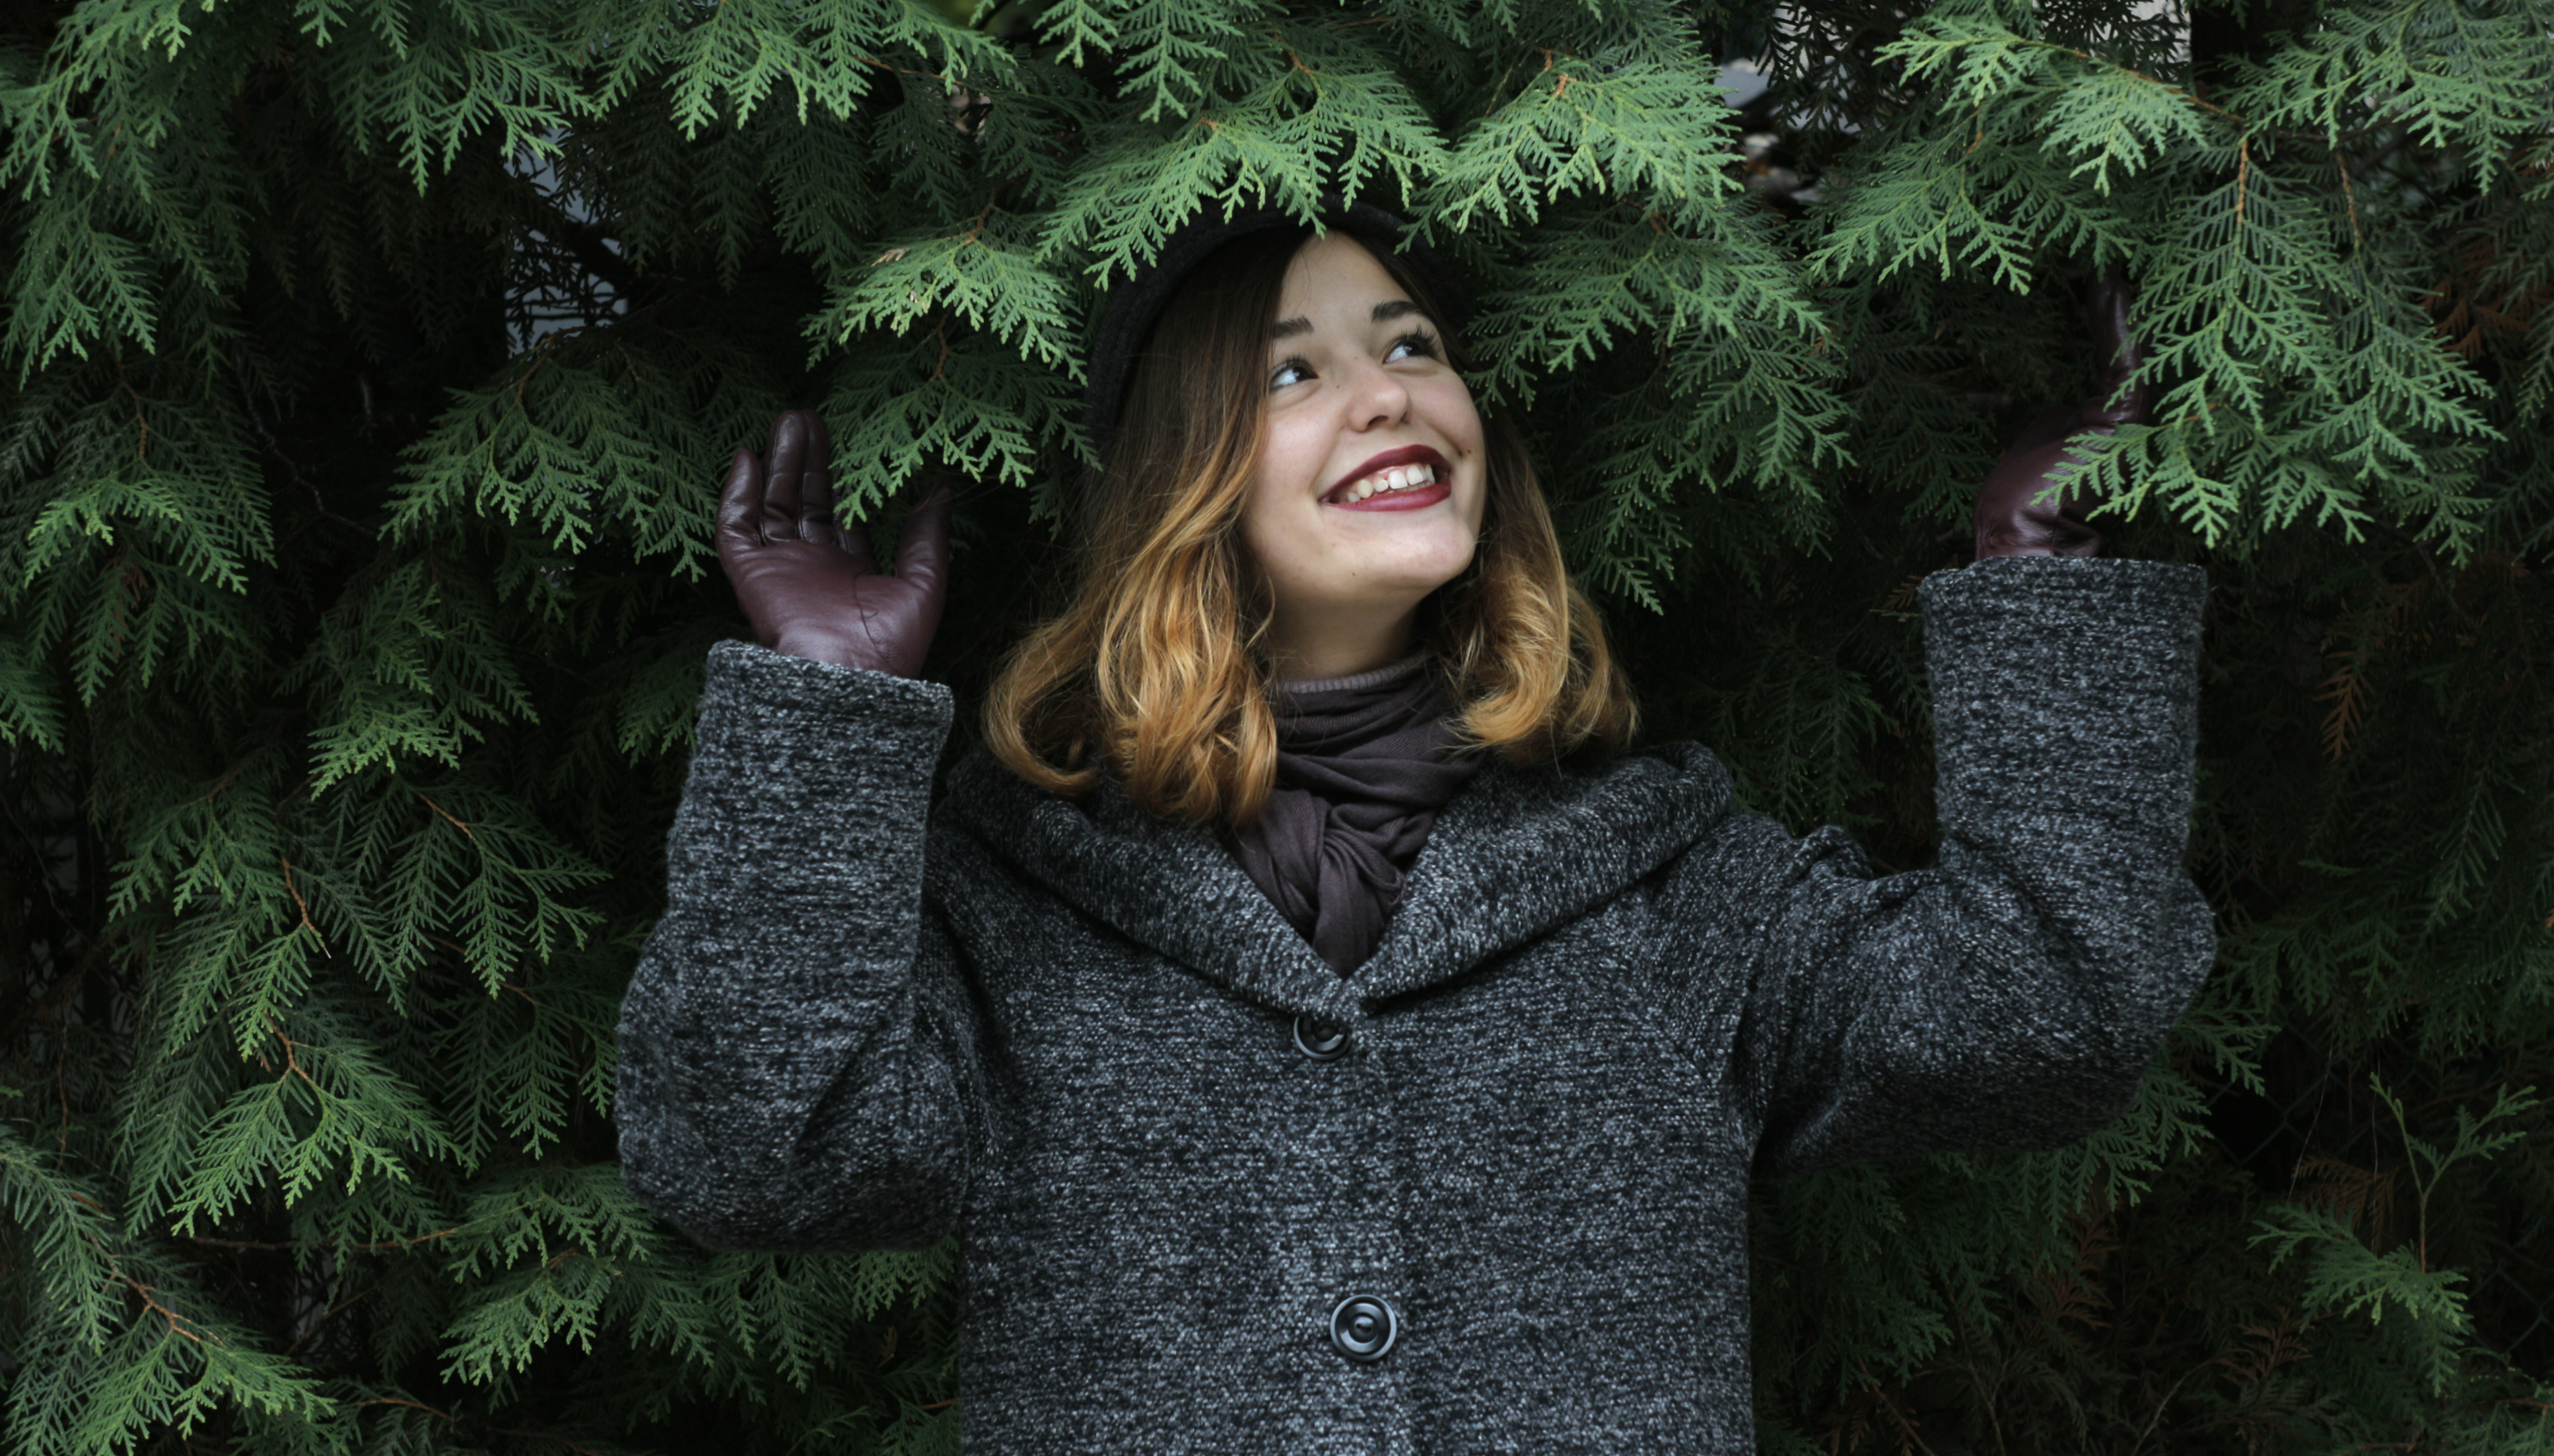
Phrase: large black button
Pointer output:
(1321, 1041)
(1364, 1327)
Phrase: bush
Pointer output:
(371, 368)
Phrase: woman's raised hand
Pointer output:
(2007, 523)
(807, 582)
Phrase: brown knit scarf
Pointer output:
(1361, 772)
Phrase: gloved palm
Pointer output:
(2007, 523)
(807, 582)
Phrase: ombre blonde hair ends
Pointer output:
(1155, 673)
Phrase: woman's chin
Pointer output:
(1434, 530)
(1413, 571)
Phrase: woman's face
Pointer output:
(1359, 396)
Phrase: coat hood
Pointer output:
(1516, 853)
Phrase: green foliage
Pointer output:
(370, 369)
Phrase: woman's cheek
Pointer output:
(1295, 449)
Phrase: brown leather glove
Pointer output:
(2008, 523)
(806, 582)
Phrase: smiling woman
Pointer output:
(1322, 1030)
(1371, 483)
(1217, 556)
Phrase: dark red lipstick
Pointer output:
(1404, 455)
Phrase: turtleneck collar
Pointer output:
(1376, 677)
(1362, 768)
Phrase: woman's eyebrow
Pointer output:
(1384, 312)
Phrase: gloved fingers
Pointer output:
(739, 512)
(2061, 523)
(2123, 352)
(785, 477)
(922, 556)
(2017, 513)
(2049, 426)
(817, 520)
(856, 548)
(816, 486)
(2012, 518)
(2036, 535)
(2079, 498)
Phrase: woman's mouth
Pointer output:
(1396, 480)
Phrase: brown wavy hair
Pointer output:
(1155, 671)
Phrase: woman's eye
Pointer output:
(1412, 347)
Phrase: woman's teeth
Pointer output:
(1399, 477)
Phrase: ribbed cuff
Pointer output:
(2060, 680)
(745, 672)
(2081, 587)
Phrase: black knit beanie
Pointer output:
(1137, 302)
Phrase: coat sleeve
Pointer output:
(792, 1044)
(2013, 996)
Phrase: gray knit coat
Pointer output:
(1487, 1195)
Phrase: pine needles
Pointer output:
(352, 607)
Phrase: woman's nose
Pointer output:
(1375, 398)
